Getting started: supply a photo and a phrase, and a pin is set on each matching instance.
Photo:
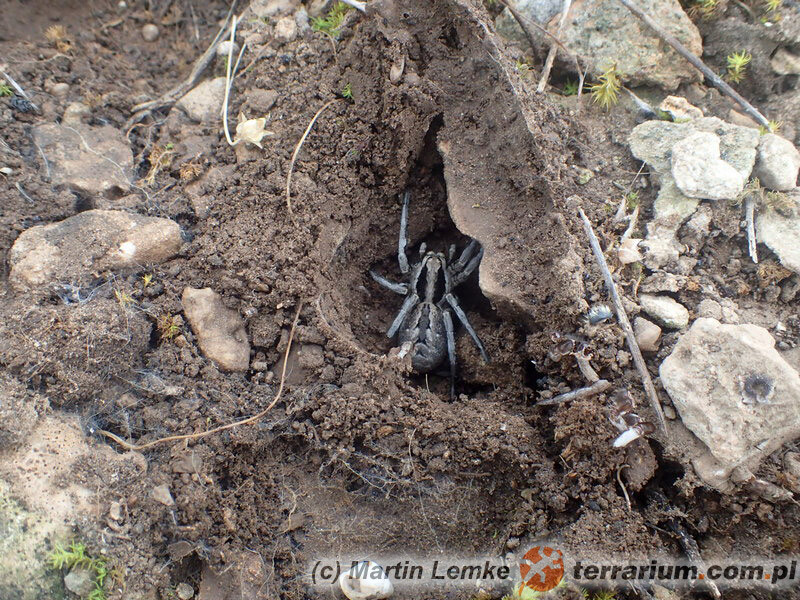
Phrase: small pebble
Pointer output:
(60, 89)
(286, 29)
(224, 49)
(184, 591)
(150, 32)
(162, 494)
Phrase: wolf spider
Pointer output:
(424, 324)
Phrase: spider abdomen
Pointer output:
(424, 329)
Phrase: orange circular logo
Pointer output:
(541, 569)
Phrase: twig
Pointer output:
(586, 369)
(24, 195)
(622, 485)
(297, 151)
(142, 111)
(247, 421)
(362, 6)
(715, 79)
(599, 386)
(229, 77)
(749, 212)
(551, 55)
(622, 317)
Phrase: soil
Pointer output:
(360, 454)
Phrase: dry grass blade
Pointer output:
(247, 421)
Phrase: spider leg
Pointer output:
(453, 302)
(461, 276)
(402, 259)
(410, 302)
(451, 252)
(451, 350)
(466, 254)
(397, 288)
(422, 248)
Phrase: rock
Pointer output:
(90, 242)
(539, 11)
(665, 310)
(286, 29)
(76, 114)
(778, 163)
(261, 101)
(272, 8)
(204, 102)
(150, 32)
(60, 90)
(603, 33)
(91, 161)
(220, 331)
(184, 591)
(680, 109)
(739, 118)
(80, 582)
(647, 334)
(161, 494)
(311, 356)
(785, 63)
(699, 172)
(302, 20)
(226, 49)
(782, 235)
(735, 392)
(709, 309)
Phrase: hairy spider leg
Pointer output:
(451, 350)
(402, 259)
(410, 302)
(451, 300)
(461, 276)
(397, 288)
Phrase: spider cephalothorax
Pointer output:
(424, 324)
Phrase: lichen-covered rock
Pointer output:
(778, 163)
(538, 11)
(90, 242)
(605, 33)
(781, 232)
(92, 161)
(734, 391)
(220, 331)
(699, 172)
(203, 103)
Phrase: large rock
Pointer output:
(220, 331)
(92, 161)
(90, 242)
(781, 232)
(605, 33)
(699, 172)
(735, 392)
(778, 163)
(203, 103)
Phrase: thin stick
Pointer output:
(599, 386)
(19, 89)
(551, 55)
(297, 151)
(749, 212)
(247, 421)
(622, 485)
(142, 111)
(622, 317)
(229, 77)
(362, 6)
(715, 79)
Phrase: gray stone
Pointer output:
(91, 161)
(162, 495)
(261, 101)
(286, 29)
(184, 591)
(204, 102)
(665, 310)
(88, 243)
(785, 63)
(781, 234)
(680, 109)
(647, 334)
(80, 582)
(699, 172)
(76, 113)
(778, 163)
(538, 11)
(60, 90)
(150, 32)
(220, 331)
(735, 392)
(272, 8)
(710, 309)
(603, 33)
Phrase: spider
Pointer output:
(424, 324)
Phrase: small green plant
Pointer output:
(570, 88)
(75, 557)
(771, 127)
(124, 298)
(631, 200)
(606, 91)
(703, 8)
(773, 5)
(331, 23)
(347, 92)
(737, 65)
(168, 327)
(5, 90)
(523, 68)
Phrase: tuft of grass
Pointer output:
(124, 298)
(331, 23)
(523, 68)
(168, 327)
(347, 91)
(737, 65)
(771, 127)
(57, 35)
(160, 159)
(190, 171)
(606, 91)
(773, 5)
(5, 90)
(75, 556)
(570, 88)
(703, 8)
